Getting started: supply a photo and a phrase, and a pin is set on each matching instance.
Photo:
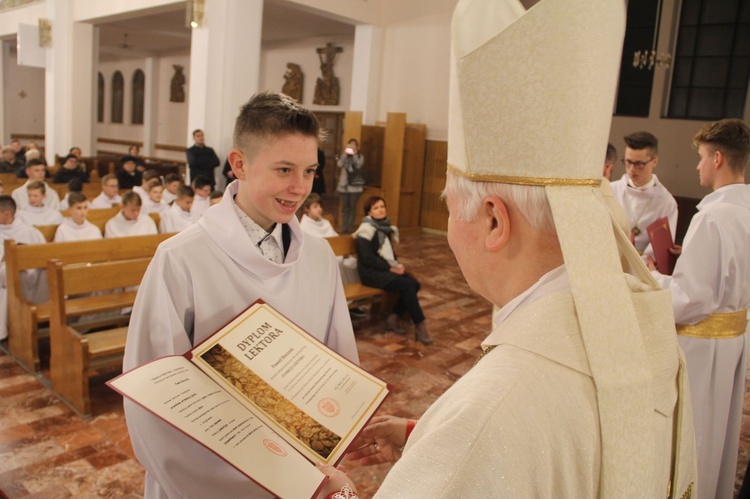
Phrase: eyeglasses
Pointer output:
(637, 164)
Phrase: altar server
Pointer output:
(710, 289)
(247, 247)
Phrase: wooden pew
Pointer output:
(99, 219)
(355, 292)
(25, 318)
(73, 354)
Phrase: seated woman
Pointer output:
(378, 267)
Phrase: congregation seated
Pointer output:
(127, 175)
(134, 151)
(33, 284)
(130, 221)
(76, 227)
(36, 169)
(109, 195)
(146, 177)
(37, 212)
(379, 268)
(171, 183)
(153, 202)
(178, 217)
(69, 170)
(9, 162)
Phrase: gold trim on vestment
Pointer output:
(717, 326)
(688, 493)
(509, 179)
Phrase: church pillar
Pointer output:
(224, 69)
(69, 83)
(150, 100)
(368, 43)
(4, 56)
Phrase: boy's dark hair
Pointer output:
(131, 197)
(731, 137)
(172, 177)
(149, 174)
(201, 181)
(185, 191)
(313, 198)
(215, 194)
(371, 201)
(153, 183)
(75, 185)
(270, 114)
(35, 162)
(642, 140)
(611, 154)
(36, 185)
(7, 203)
(76, 197)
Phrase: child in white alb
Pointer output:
(202, 201)
(76, 227)
(178, 216)
(130, 221)
(154, 202)
(36, 212)
(171, 182)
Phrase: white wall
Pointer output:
(275, 56)
(22, 114)
(171, 117)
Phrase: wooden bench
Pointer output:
(74, 356)
(25, 318)
(355, 292)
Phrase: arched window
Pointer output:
(139, 80)
(100, 99)
(118, 92)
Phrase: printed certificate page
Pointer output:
(306, 392)
(175, 390)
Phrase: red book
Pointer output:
(661, 241)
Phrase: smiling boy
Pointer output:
(247, 247)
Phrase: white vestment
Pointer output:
(102, 201)
(644, 207)
(141, 192)
(33, 282)
(198, 280)
(119, 226)
(153, 207)
(524, 421)
(168, 197)
(175, 219)
(68, 230)
(323, 228)
(39, 215)
(712, 275)
(200, 204)
(21, 197)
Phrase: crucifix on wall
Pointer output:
(327, 87)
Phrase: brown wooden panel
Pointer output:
(121, 142)
(434, 211)
(333, 124)
(393, 163)
(410, 197)
(371, 146)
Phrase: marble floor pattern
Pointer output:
(47, 451)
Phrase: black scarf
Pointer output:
(382, 226)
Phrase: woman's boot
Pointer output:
(421, 334)
(392, 325)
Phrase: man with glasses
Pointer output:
(640, 193)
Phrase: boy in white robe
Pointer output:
(202, 200)
(37, 212)
(710, 289)
(153, 202)
(639, 191)
(33, 283)
(178, 217)
(109, 195)
(578, 392)
(146, 178)
(247, 247)
(76, 227)
(171, 182)
(130, 221)
(36, 170)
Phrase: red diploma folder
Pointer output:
(661, 240)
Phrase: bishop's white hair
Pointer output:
(530, 200)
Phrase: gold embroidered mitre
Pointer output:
(531, 99)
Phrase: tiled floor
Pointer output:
(47, 451)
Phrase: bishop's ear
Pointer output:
(496, 223)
